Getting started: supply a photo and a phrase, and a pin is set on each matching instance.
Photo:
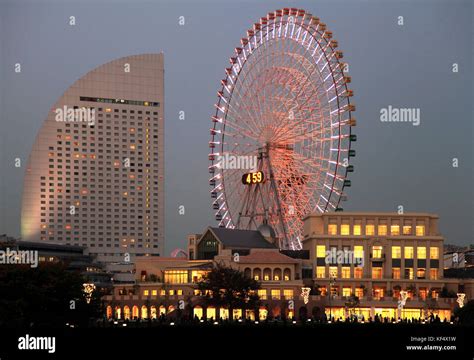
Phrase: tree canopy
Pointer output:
(48, 295)
(229, 288)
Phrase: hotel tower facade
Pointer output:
(95, 175)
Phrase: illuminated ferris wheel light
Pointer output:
(284, 100)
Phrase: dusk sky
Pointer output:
(405, 66)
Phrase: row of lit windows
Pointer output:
(382, 230)
(377, 252)
(275, 294)
(171, 292)
(276, 277)
(377, 292)
(377, 273)
(176, 276)
(334, 272)
(120, 102)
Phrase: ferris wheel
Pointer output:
(281, 133)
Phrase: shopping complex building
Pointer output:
(95, 176)
(353, 264)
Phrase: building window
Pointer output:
(332, 229)
(276, 294)
(346, 291)
(262, 293)
(321, 251)
(357, 229)
(378, 293)
(154, 292)
(377, 252)
(146, 292)
(333, 271)
(409, 273)
(358, 271)
(407, 230)
(396, 273)
(359, 292)
(421, 252)
(162, 292)
(408, 252)
(176, 276)
(434, 274)
(382, 230)
(420, 273)
(320, 272)
(420, 230)
(369, 229)
(288, 294)
(345, 229)
(434, 253)
(396, 252)
(376, 273)
(346, 272)
(395, 230)
(358, 251)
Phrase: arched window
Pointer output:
(257, 274)
(197, 312)
(211, 313)
(267, 274)
(287, 274)
(135, 312)
(126, 312)
(277, 274)
(248, 272)
(144, 312)
(109, 312)
(153, 312)
(118, 312)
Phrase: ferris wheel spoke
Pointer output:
(285, 100)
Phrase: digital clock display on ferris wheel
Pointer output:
(253, 178)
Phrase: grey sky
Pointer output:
(403, 66)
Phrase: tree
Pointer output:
(230, 288)
(445, 293)
(466, 313)
(412, 289)
(48, 295)
(351, 303)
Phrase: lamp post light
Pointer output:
(332, 281)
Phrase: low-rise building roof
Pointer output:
(243, 239)
(266, 257)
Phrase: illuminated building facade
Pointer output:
(399, 252)
(95, 176)
(389, 253)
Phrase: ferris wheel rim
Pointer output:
(217, 119)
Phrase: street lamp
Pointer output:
(332, 281)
